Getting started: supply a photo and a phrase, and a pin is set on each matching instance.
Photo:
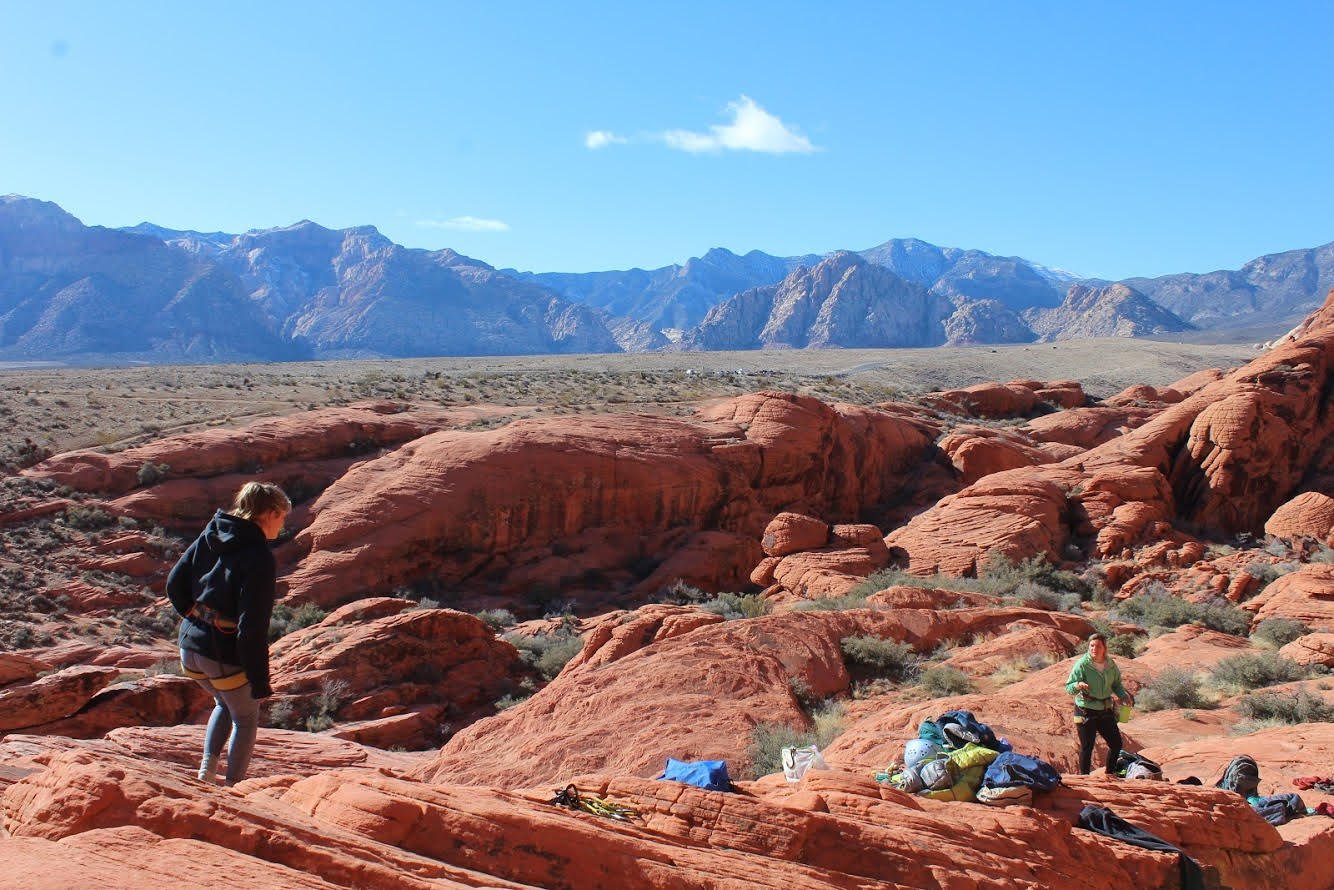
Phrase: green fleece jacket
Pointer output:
(1102, 683)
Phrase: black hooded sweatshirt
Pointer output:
(229, 569)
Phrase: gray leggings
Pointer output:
(236, 714)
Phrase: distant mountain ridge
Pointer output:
(149, 293)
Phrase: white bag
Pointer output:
(796, 761)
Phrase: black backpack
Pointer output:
(1242, 775)
(1126, 759)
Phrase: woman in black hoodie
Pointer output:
(222, 586)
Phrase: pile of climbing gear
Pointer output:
(570, 798)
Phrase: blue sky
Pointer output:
(1109, 139)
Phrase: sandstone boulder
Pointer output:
(1309, 515)
(51, 697)
(791, 532)
(355, 665)
(1306, 595)
(1317, 648)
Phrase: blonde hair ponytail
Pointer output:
(257, 498)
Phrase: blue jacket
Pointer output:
(229, 569)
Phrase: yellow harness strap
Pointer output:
(226, 684)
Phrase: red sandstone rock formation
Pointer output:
(726, 677)
(1226, 458)
(381, 657)
(560, 502)
(1306, 595)
(1308, 515)
(1317, 648)
(1018, 398)
(309, 436)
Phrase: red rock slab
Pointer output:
(162, 700)
(991, 400)
(1016, 514)
(277, 751)
(1086, 427)
(1310, 515)
(82, 597)
(1022, 641)
(815, 574)
(16, 668)
(791, 532)
(74, 652)
(1191, 647)
(725, 678)
(741, 840)
(1283, 754)
(304, 436)
(132, 858)
(975, 456)
(612, 641)
(1317, 648)
(413, 657)
(1306, 595)
(907, 596)
(496, 503)
(51, 697)
(81, 791)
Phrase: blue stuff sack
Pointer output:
(1020, 769)
(709, 774)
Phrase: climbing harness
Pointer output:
(570, 797)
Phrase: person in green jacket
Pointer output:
(1095, 682)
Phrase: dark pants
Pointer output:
(1098, 723)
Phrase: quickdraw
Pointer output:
(570, 797)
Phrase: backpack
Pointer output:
(930, 730)
(1279, 809)
(1010, 768)
(961, 727)
(708, 774)
(1241, 775)
(797, 761)
(1136, 766)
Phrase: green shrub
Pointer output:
(87, 518)
(767, 740)
(505, 702)
(548, 652)
(943, 680)
(1279, 632)
(285, 619)
(151, 473)
(1173, 687)
(998, 576)
(1001, 577)
(1301, 707)
(1125, 645)
(1158, 608)
(1251, 671)
(874, 657)
(733, 606)
(496, 619)
(1268, 572)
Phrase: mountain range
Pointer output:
(76, 293)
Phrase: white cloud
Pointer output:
(466, 224)
(602, 138)
(752, 129)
